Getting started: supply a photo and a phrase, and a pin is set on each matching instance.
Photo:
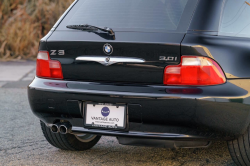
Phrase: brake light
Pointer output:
(48, 68)
(195, 71)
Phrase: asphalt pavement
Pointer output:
(22, 142)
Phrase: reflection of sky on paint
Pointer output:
(143, 14)
(236, 18)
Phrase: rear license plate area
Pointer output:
(105, 116)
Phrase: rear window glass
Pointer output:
(236, 18)
(132, 15)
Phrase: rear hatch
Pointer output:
(149, 31)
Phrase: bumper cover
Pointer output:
(211, 112)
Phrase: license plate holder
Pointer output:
(105, 116)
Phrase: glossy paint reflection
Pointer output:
(231, 53)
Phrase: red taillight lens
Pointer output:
(195, 71)
(48, 68)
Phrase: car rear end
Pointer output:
(142, 83)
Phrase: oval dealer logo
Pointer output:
(105, 111)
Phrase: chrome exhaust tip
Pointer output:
(54, 128)
(65, 128)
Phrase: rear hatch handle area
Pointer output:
(107, 61)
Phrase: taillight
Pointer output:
(194, 71)
(48, 68)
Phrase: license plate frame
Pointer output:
(121, 107)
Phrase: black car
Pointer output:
(164, 73)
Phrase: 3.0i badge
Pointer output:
(108, 49)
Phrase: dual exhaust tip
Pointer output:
(63, 128)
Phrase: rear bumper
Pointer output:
(211, 112)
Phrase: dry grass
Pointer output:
(23, 23)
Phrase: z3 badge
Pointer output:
(57, 52)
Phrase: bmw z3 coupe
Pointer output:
(162, 73)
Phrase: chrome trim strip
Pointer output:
(107, 61)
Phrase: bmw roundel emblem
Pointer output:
(108, 49)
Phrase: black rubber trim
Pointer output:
(240, 149)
